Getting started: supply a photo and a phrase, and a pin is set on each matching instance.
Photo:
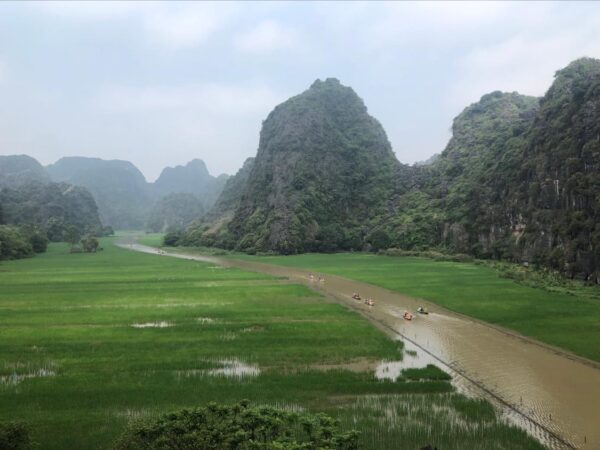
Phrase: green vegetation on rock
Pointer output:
(518, 181)
(175, 211)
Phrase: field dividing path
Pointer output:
(553, 395)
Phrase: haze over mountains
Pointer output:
(519, 180)
(125, 199)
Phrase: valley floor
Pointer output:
(89, 342)
(568, 321)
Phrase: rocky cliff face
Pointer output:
(193, 178)
(16, 170)
(52, 208)
(559, 194)
(118, 187)
(520, 177)
(324, 168)
(231, 196)
(125, 200)
(519, 180)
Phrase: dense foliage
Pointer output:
(324, 168)
(239, 426)
(519, 180)
(175, 211)
(20, 242)
(212, 229)
(52, 208)
(15, 436)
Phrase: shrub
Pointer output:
(172, 238)
(240, 427)
(14, 243)
(15, 436)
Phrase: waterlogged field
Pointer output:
(560, 319)
(89, 342)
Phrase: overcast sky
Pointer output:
(159, 84)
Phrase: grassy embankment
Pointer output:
(567, 320)
(73, 366)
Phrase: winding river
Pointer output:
(555, 396)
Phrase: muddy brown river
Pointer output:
(553, 395)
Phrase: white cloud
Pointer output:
(422, 24)
(185, 26)
(172, 24)
(231, 100)
(93, 10)
(267, 37)
(525, 63)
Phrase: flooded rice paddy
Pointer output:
(228, 368)
(551, 394)
(161, 324)
(14, 373)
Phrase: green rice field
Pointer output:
(90, 342)
(569, 321)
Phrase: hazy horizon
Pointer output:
(160, 84)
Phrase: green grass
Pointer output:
(152, 239)
(564, 320)
(70, 316)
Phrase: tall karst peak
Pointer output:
(324, 166)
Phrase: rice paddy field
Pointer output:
(90, 342)
(566, 320)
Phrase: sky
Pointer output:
(161, 83)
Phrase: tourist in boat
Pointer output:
(422, 310)
(407, 315)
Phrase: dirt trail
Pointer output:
(554, 396)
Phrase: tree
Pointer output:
(172, 238)
(238, 427)
(72, 236)
(14, 243)
(39, 241)
(379, 239)
(90, 244)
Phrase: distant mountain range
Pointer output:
(519, 180)
(29, 198)
(125, 199)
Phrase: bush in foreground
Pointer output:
(15, 436)
(240, 427)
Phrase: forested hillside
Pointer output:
(118, 187)
(125, 199)
(175, 211)
(16, 170)
(193, 178)
(52, 208)
(323, 170)
(519, 180)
